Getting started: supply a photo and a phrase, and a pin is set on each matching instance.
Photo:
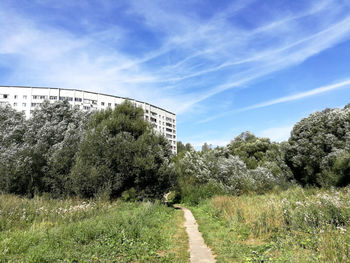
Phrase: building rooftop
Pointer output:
(126, 98)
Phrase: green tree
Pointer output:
(206, 147)
(180, 147)
(30, 160)
(319, 146)
(12, 128)
(121, 152)
(255, 152)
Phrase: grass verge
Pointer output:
(296, 225)
(44, 230)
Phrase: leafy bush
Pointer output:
(216, 172)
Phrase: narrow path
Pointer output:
(199, 252)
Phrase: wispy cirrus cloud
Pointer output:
(293, 97)
(173, 56)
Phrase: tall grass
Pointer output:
(73, 230)
(297, 225)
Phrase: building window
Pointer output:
(78, 99)
(36, 104)
(42, 97)
(15, 104)
(24, 97)
(35, 97)
(24, 104)
(53, 97)
(15, 97)
(102, 103)
(116, 104)
(109, 104)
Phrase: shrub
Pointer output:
(213, 172)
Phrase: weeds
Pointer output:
(297, 225)
(73, 230)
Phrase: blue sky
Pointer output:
(223, 67)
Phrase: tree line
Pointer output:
(64, 151)
(316, 154)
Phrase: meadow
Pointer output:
(74, 230)
(296, 225)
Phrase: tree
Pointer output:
(12, 128)
(42, 150)
(319, 146)
(180, 147)
(206, 147)
(121, 152)
(260, 152)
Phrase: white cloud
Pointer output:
(211, 54)
(300, 95)
(297, 96)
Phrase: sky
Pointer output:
(224, 67)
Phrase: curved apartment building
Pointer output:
(25, 99)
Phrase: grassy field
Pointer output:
(46, 230)
(297, 225)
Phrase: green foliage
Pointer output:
(319, 147)
(205, 174)
(297, 225)
(39, 153)
(193, 194)
(255, 152)
(182, 149)
(73, 230)
(121, 151)
(64, 151)
(206, 147)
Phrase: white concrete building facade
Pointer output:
(26, 99)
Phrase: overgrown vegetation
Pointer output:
(63, 151)
(247, 196)
(74, 230)
(260, 201)
(248, 164)
(317, 154)
(297, 225)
